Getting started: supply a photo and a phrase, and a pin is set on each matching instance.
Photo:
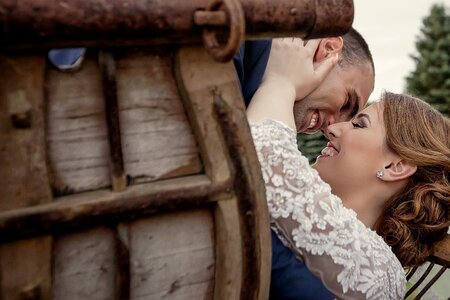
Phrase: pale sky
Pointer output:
(391, 27)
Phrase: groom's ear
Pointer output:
(328, 46)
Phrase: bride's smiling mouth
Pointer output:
(329, 151)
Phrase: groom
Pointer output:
(341, 94)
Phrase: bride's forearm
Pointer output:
(274, 99)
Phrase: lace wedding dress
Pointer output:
(352, 261)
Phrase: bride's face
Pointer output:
(355, 151)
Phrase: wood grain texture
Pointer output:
(22, 150)
(76, 130)
(197, 86)
(84, 265)
(25, 269)
(97, 207)
(157, 139)
(195, 254)
(249, 188)
(108, 69)
(228, 277)
(24, 265)
(214, 102)
(172, 256)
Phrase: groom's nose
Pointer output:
(328, 133)
(331, 120)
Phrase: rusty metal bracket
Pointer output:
(213, 16)
(100, 23)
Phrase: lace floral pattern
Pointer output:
(352, 261)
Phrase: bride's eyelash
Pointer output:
(357, 125)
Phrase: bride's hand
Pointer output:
(291, 63)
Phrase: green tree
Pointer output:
(311, 145)
(430, 80)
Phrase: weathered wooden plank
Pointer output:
(24, 265)
(197, 88)
(157, 139)
(84, 265)
(249, 189)
(22, 150)
(228, 277)
(76, 130)
(108, 68)
(122, 261)
(172, 256)
(90, 208)
(214, 102)
(25, 269)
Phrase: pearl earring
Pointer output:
(380, 174)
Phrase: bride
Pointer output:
(377, 198)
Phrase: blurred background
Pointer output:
(391, 28)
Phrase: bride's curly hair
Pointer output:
(417, 217)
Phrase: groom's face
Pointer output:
(338, 98)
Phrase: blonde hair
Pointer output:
(418, 216)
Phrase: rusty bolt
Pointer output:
(216, 18)
(32, 292)
(20, 109)
(21, 120)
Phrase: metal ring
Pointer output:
(236, 35)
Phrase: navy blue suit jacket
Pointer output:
(290, 278)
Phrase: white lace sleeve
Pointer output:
(352, 261)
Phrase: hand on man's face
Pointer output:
(293, 63)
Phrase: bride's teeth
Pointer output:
(331, 152)
(328, 151)
(313, 121)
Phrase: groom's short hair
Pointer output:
(355, 51)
